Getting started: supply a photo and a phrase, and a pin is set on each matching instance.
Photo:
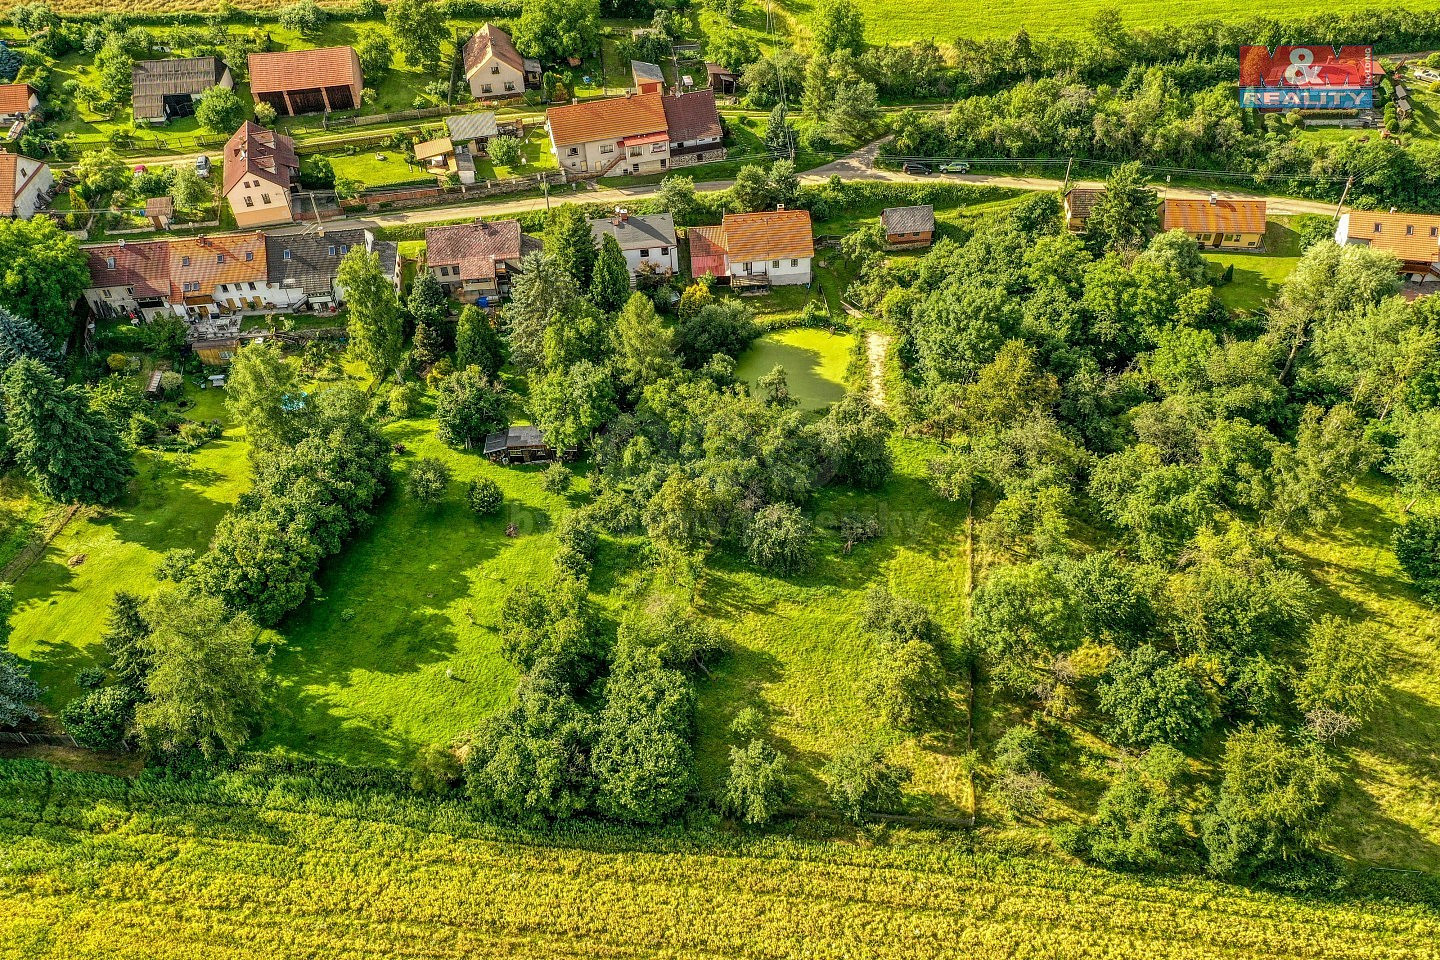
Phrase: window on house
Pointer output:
(332, 249)
(286, 254)
(219, 258)
(110, 263)
(249, 255)
(659, 147)
(249, 201)
(644, 254)
(223, 289)
(794, 262)
(252, 288)
(664, 251)
(574, 152)
(495, 68)
(1409, 229)
(774, 263)
(1377, 228)
(486, 88)
(184, 261)
(509, 86)
(264, 198)
(1435, 231)
(107, 294)
(606, 148)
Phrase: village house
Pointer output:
(1079, 201)
(438, 157)
(644, 240)
(624, 134)
(307, 81)
(693, 124)
(494, 68)
(25, 185)
(262, 172)
(1216, 223)
(470, 136)
(523, 444)
(770, 248)
(475, 262)
(907, 228)
(18, 101)
(636, 134)
(1412, 237)
(165, 90)
(305, 265)
(212, 281)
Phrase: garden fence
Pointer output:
(39, 739)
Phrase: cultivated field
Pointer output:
(253, 865)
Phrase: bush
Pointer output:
(117, 362)
(90, 678)
(556, 478)
(860, 780)
(757, 784)
(506, 151)
(1417, 547)
(100, 720)
(779, 539)
(485, 497)
(428, 480)
(434, 769)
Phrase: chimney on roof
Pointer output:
(1214, 198)
(122, 241)
(621, 215)
(779, 206)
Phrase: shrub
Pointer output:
(485, 497)
(99, 720)
(428, 480)
(506, 151)
(434, 769)
(117, 362)
(556, 478)
(860, 780)
(757, 784)
(90, 678)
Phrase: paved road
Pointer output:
(858, 166)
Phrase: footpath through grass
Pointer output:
(291, 864)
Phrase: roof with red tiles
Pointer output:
(491, 40)
(692, 116)
(204, 262)
(768, 235)
(473, 247)
(281, 70)
(707, 251)
(592, 120)
(15, 97)
(257, 152)
(143, 266)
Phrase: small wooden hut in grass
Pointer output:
(524, 444)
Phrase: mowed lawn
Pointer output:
(897, 21)
(402, 646)
(1258, 276)
(814, 362)
(175, 501)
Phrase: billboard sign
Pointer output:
(1306, 78)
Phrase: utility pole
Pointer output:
(1066, 188)
(1343, 194)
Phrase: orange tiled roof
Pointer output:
(15, 172)
(304, 69)
(487, 40)
(215, 259)
(611, 119)
(1410, 236)
(1222, 216)
(768, 235)
(15, 97)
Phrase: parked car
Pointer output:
(916, 168)
(202, 165)
(955, 166)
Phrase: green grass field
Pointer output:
(280, 866)
(814, 362)
(1258, 276)
(894, 21)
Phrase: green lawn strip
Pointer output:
(814, 362)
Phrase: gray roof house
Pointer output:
(523, 444)
(908, 226)
(162, 90)
(310, 261)
(648, 242)
(472, 126)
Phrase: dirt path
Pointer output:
(877, 347)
